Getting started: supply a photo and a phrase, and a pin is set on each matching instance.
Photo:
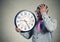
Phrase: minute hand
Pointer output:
(27, 23)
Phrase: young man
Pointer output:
(47, 26)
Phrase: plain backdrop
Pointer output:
(8, 10)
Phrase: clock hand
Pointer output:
(26, 23)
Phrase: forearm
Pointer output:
(50, 23)
(27, 35)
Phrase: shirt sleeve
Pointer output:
(50, 23)
(27, 34)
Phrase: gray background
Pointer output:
(8, 10)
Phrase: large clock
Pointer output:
(25, 20)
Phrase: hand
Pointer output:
(18, 30)
(43, 8)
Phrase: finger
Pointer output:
(17, 29)
(42, 5)
(45, 6)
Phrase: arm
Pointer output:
(27, 35)
(50, 23)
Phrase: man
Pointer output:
(47, 26)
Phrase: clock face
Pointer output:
(25, 20)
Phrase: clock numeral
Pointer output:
(17, 21)
(31, 16)
(32, 20)
(32, 24)
(25, 28)
(28, 27)
(18, 25)
(21, 27)
(21, 14)
(25, 13)
(18, 17)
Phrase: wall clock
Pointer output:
(25, 20)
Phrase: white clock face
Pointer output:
(25, 20)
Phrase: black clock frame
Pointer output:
(18, 14)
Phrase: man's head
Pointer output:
(38, 10)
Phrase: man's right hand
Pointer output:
(17, 29)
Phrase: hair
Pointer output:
(38, 11)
